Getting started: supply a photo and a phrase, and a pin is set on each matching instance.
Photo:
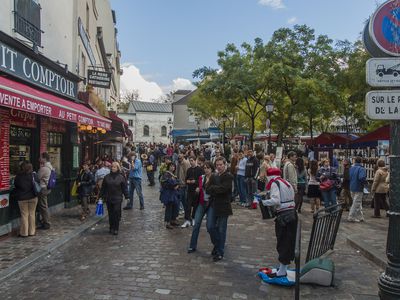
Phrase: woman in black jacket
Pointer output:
(27, 199)
(113, 189)
(85, 188)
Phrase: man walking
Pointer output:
(44, 176)
(358, 177)
(220, 191)
(192, 182)
(252, 166)
(181, 170)
(289, 170)
(135, 181)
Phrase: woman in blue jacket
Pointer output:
(170, 195)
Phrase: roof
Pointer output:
(141, 106)
(371, 139)
(186, 98)
(330, 139)
(182, 92)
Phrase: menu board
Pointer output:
(4, 150)
(43, 134)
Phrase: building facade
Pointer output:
(149, 122)
(47, 48)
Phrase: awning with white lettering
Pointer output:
(20, 96)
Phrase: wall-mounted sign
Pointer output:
(384, 28)
(22, 118)
(383, 105)
(19, 65)
(86, 42)
(383, 72)
(99, 79)
(4, 150)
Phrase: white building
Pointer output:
(149, 122)
(78, 34)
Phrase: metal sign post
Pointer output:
(384, 37)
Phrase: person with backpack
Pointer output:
(281, 196)
(46, 175)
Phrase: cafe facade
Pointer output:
(40, 112)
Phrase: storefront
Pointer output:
(39, 112)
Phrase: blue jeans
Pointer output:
(251, 189)
(135, 183)
(217, 230)
(242, 188)
(198, 218)
(329, 197)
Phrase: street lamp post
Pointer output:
(198, 132)
(224, 119)
(269, 108)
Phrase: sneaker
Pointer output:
(217, 257)
(191, 250)
(168, 226)
(127, 208)
(214, 251)
(193, 222)
(142, 207)
(185, 224)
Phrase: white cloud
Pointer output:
(292, 20)
(275, 4)
(149, 90)
(133, 80)
(182, 84)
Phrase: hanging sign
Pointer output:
(99, 79)
(383, 72)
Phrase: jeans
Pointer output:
(356, 213)
(251, 189)
(216, 227)
(183, 200)
(150, 177)
(329, 197)
(198, 218)
(235, 186)
(242, 188)
(135, 183)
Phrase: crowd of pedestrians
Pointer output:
(205, 182)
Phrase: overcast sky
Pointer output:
(164, 41)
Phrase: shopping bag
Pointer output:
(74, 189)
(99, 208)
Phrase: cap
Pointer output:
(273, 172)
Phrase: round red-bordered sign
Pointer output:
(384, 27)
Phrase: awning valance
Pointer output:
(23, 97)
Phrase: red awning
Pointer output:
(20, 96)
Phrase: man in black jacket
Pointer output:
(220, 191)
(192, 182)
(252, 166)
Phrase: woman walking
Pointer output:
(113, 189)
(85, 188)
(27, 199)
(313, 193)
(380, 188)
(203, 205)
(170, 195)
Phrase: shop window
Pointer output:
(146, 130)
(54, 145)
(130, 123)
(164, 131)
(20, 147)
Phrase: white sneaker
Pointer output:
(192, 222)
(185, 224)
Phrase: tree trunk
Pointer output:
(311, 130)
(285, 125)
(252, 131)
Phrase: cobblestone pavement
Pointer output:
(13, 248)
(147, 261)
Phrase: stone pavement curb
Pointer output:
(37, 255)
(367, 251)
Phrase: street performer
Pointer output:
(282, 197)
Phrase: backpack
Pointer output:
(52, 180)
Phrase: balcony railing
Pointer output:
(27, 20)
